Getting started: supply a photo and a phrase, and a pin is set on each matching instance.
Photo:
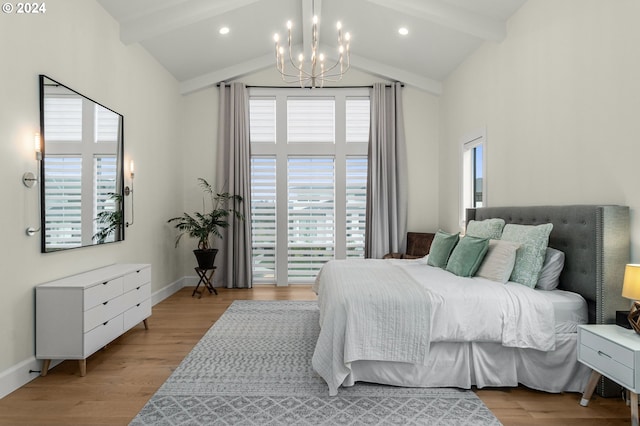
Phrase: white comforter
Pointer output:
(390, 310)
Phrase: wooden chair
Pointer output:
(418, 245)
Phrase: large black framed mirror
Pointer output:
(82, 178)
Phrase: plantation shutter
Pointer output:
(263, 219)
(107, 125)
(311, 216)
(262, 120)
(63, 119)
(356, 194)
(358, 113)
(311, 120)
(105, 185)
(62, 191)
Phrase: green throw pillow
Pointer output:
(467, 256)
(530, 256)
(441, 248)
(488, 228)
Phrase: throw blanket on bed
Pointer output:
(369, 310)
(390, 310)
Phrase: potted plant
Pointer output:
(109, 220)
(206, 224)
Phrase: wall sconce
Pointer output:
(129, 191)
(29, 179)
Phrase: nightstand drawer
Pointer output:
(607, 365)
(622, 355)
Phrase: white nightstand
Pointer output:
(614, 352)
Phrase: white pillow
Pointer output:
(551, 269)
(499, 260)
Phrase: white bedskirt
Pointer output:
(467, 364)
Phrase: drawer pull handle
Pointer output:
(604, 354)
(105, 303)
(137, 288)
(137, 305)
(105, 283)
(105, 323)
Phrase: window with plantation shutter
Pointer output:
(262, 125)
(310, 120)
(62, 189)
(263, 219)
(106, 125)
(80, 168)
(358, 112)
(63, 118)
(105, 187)
(311, 215)
(356, 201)
(308, 187)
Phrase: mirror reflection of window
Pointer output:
(82, 170)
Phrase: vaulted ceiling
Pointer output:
(183, 35)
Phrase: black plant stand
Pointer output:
(206, 280)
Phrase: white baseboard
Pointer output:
(166, 291)
(19, 375)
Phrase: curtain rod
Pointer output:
(311, 88)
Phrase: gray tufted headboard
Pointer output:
(595, 240)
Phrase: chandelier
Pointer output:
(315, 72)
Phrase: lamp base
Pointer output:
(634, 317)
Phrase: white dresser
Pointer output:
(79, 314)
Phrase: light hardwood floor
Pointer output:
(121, 378)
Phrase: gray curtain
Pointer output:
(233, 175)
(386, 220)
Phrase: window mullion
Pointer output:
(340, 179)
(282, 273)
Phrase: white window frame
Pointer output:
(467, 173)
(282, 150)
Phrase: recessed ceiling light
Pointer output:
(403, 31)
(224, 30)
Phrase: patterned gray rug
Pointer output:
(253, 367)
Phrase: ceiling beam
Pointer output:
(449, 16)
(359, 62)
(175, 16)
(385, 71)
(396, 74)
(226, 74)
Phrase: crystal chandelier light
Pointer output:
(316, 72)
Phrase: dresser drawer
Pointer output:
(622, 355)
(100, 293)
(102, 334)
(137, 313)
(136, 279)
(137, 295)
(104, 312)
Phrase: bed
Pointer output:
(405, 323)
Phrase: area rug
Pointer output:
(253, 367)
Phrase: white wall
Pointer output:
(77, 43)
(560, 99)
(421, 129)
